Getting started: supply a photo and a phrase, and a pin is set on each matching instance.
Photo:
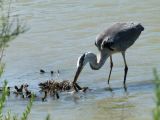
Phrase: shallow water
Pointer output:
(59, 32)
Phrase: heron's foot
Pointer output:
(109, 88)
(108, 82)
(125, 88)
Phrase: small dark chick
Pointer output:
(28, 93)
(52, 72)
(42, 71)
(45, 96)
(49, 87)
(19, 90)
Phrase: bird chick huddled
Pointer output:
(23, 91)
(52, 87)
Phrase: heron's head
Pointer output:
(81, 62)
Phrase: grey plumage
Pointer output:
(116, 38)
(119, 36)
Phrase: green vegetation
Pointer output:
(10, 28)
(28, 109)
(48, 117)
(2, 103)
(156, 112)
(3, 98)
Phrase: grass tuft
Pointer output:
(156, 111)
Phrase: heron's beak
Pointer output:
(77, 73)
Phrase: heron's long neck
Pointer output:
(97, 61)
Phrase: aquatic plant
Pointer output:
(10, 28)
(28, 109)
(48, 117)
(8, 116)
(3, 98)
(156, 111)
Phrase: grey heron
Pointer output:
(116, 39)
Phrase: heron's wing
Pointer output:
(119, 36)
(106, 39)
(108, 43)
(107, 35)
(121, 40)
(125, 38)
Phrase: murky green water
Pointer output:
(62, 30)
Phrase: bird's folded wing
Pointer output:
(108, 43)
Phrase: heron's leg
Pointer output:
(125, 70)
(111, 66)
